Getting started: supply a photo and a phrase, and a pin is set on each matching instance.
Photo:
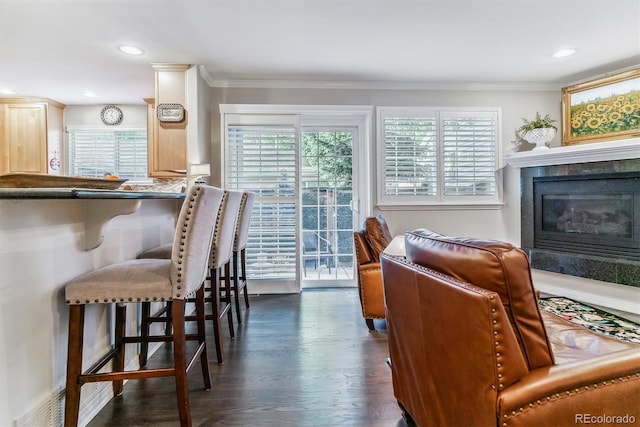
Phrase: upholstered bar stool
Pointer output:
(238, 258)
(132, 281)
(221, 251)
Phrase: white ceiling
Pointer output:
(60, 48)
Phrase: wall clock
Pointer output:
(111, 115)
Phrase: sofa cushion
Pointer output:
(571, 342)
(496, 266)
(377, 234)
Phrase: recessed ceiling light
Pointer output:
(130, 50)
(564, 52)
(6, 91)
(89, 94)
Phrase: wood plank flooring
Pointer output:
(297, 360)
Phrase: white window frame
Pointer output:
(439, 201)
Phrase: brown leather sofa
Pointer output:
(470, 347)
(369, 244)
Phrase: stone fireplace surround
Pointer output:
(608, 281)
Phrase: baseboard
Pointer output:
(50, 412)
(94, 397)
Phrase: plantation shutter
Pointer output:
(437, 156)
(261, 157)
(410, 155)
(469, 153)
(96, 153)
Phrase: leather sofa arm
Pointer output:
(370, 289)
(372, 266)
(573, 393)
(370, 274)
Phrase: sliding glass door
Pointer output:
(304, 169)
(326, 187)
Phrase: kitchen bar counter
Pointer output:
(47, 238)
(99, 206)
(83, 193)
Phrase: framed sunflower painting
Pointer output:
(602, 109)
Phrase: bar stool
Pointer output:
(221, 251)
(137, 280)
(239, 257)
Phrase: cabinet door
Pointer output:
(25, 138)
(166, 150)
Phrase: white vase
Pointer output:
(540, 137)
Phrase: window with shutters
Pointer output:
(261, 153)
(301, 186)
(100, 152)
(438, 156)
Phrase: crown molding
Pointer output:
(372, 85)
(206, 75)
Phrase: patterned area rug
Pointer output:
(592, 318)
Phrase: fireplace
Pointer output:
(583, 219)
(588, 214)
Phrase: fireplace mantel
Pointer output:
(584, 153)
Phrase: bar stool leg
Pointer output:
(167, 327)
(243, 277)
(118, 361)
(180, 364)
(236, 282)
(145, 312)
(200, 320)
(227, 293)
(215, 308)
(74, 365)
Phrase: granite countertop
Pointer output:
(83, 193)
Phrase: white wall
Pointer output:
(198, 121)
(55, 139)
(198, 127)
(134, 116)
(503, 224)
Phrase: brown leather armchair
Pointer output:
(469, 346)
(369, 244)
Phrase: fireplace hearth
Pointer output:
(583, 219)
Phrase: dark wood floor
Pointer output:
(297, 360)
